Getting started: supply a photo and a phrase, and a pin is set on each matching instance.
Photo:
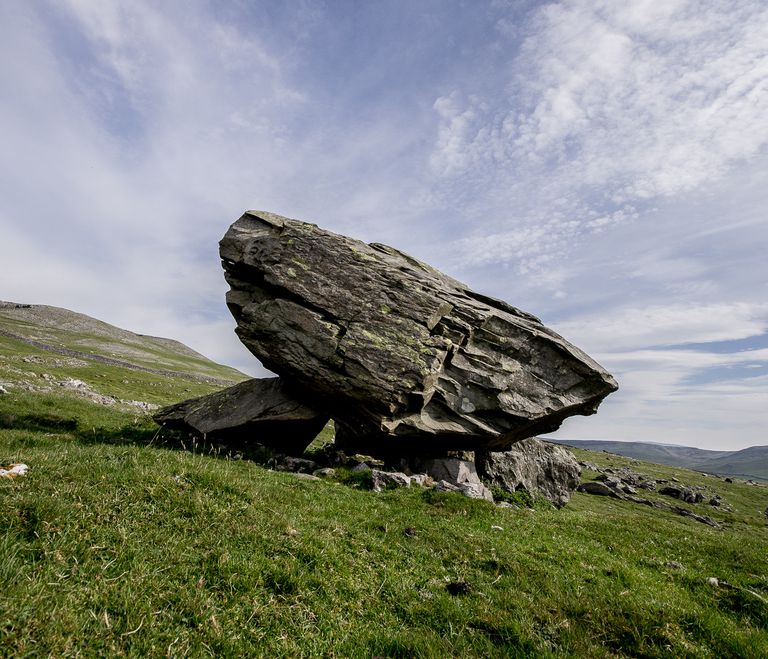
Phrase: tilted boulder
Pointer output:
(255, 411)
(539, 468)
(404, 358)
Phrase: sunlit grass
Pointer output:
(116, 545)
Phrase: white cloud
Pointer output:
(600, 164)
(617, 104)
(122, 167)
(659, 325)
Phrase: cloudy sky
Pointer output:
(603, 165)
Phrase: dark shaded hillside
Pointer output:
(750, 462)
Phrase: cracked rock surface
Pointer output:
(404, 358)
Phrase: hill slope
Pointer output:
(750, 462)
(123, 542)
(72, 334)
(49, 350)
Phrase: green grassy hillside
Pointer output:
(114, 544)
(60, 331)
(122, 542)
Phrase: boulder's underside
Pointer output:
(402, 357)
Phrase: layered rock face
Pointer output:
(404, 358)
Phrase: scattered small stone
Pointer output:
(691, 496)
(674, 565)
(384, 480)
(289, 463)
(409, 532)
(729, 480)
(456, 475)
(360, 467)
(14, 470)
(505, 504)
(715, 501)
(325, 472)
(303, 476)
(475, 491)
(671, 491)
(452, 470)
(72, 383)
(704, 519)
(601, 489)
(458, 588)
(422, 480)
(3, 390)
(713, 581)
(497, 528)
(368, 460)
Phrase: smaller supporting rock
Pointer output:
(538, 467)
(255, 411)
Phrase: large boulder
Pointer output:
(255, 411)
(538, 467)
(405, 359)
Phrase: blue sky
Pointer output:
(603, 165)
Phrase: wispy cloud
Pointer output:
(603, 165)
(667, 325)
(607, 108)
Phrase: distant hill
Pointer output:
(75, 335)
(750, 462)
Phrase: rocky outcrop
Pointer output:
(622, 483)
(686, 494)
(538, 467)
(260, 411)
(404, 358)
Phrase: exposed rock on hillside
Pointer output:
(404, 358)
(535, 466)
(261, 411)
